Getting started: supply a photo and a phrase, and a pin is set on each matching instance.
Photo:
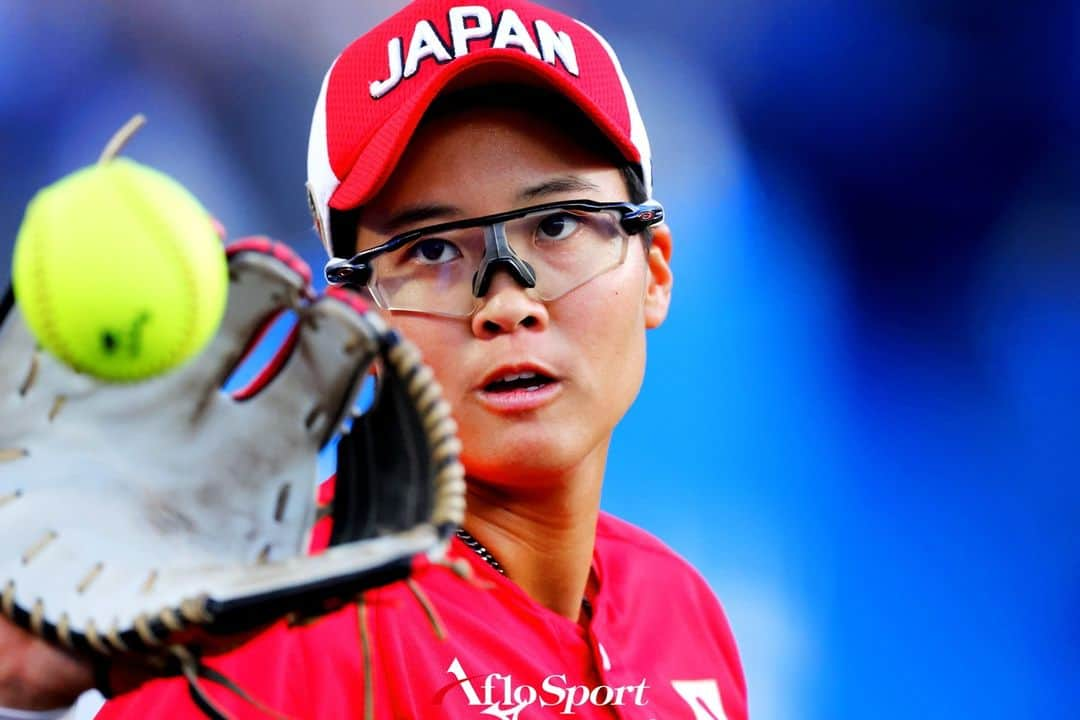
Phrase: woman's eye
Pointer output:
(433, 251)
(557, 227)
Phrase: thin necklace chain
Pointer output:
(475, 545)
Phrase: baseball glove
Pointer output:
(145, 520)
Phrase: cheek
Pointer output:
(440, 343)
(608, 329)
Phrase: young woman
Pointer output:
(482, 172)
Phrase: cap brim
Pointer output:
(380, 156)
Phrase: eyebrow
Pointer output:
(423, 213)
(566, 183)
(417, 214)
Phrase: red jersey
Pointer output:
(657, 647)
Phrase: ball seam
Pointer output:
(171, 247)
(43, 297)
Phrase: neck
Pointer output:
(543, 537)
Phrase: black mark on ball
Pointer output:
(129, 341)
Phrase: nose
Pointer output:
(506, 307)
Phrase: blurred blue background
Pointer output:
(861, 419)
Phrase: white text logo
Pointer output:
(470, 23)
(501, 697)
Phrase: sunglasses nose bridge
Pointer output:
(498, 255)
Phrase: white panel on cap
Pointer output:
(322, 182)
(637, 126)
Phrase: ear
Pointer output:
(659, 282)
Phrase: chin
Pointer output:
(520, 459)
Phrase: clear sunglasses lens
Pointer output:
(431, 274)
(434, 273)
(567, 248)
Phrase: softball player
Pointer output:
(482, 171)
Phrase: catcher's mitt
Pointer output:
(143, 519)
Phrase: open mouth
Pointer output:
(523, 381)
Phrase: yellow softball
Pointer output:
(119, 271)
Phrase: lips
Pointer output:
(516, 388)
(529, 381)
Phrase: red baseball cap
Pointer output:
(378, 89)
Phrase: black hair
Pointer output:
(553, 107)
